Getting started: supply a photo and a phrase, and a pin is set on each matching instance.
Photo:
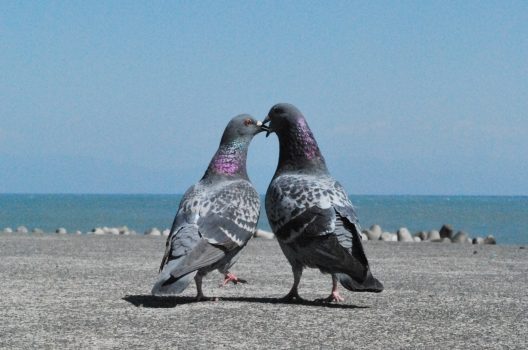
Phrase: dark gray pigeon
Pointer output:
(216, 217)
(310, 212)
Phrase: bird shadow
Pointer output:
(151, 301)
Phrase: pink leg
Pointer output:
(229, 277)
(334, 295)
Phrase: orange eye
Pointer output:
(247, 122)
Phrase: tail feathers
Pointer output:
(168, 284)
(178, 273)
(369, 284)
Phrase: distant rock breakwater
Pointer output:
(104, 230)
(446, 234)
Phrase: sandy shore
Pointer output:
(62, 291)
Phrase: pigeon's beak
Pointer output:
(265, 127)
(261, 127)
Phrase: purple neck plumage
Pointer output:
(229, 160)
(298, 149)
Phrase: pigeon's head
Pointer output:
(282, 117)
(298, 148)
(241, 127)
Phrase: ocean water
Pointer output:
(504, 217)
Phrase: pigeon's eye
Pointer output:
(247, 122)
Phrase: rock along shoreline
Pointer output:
(446, 234)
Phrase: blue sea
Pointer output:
(504, 217)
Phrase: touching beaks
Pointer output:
(264, 127)
(261, 127)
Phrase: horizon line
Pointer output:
(260, 194)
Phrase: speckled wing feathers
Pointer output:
(306, 204)
(232, 215)
(223, 214)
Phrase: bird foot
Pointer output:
(333, 297)
(291, 297)
(229, 277)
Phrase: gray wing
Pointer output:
(225, 216)
(182, 218)
(309, 206)
(347, 226)
(230, 218)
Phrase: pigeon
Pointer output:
(216, 217)
(310, 213)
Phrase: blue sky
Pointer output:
(411, 97)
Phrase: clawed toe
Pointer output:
(229, 277)
(334, 297)
(291, 298)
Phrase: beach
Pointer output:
(88, 291)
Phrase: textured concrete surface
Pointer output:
(93, 292)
